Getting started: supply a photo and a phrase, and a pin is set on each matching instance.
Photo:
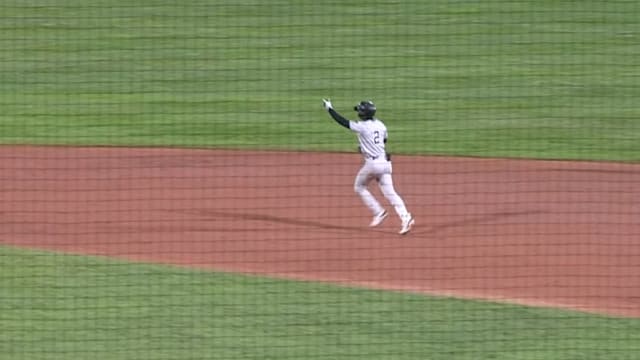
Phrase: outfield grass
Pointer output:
(539, 79)
(70, 307)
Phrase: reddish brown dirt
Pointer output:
(548, 233)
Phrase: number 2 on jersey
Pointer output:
(376, 137)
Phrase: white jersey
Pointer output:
(372, 135)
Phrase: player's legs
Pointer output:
(360, 187)
(386, 186)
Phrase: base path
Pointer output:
(543, 233)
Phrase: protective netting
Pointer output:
(171, 186)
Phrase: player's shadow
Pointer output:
(276, 219)
(419, 229)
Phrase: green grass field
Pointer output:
(540, 79)
(64, 307)
(534, 79)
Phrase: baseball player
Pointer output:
(372, 136)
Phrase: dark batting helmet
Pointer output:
(366, 110)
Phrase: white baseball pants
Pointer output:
(379, 170)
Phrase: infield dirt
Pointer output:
(543, 233)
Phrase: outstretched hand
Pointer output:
(327, 104)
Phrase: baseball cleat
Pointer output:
(406, 225)
(378, 219)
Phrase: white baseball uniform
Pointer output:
(372, 136)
